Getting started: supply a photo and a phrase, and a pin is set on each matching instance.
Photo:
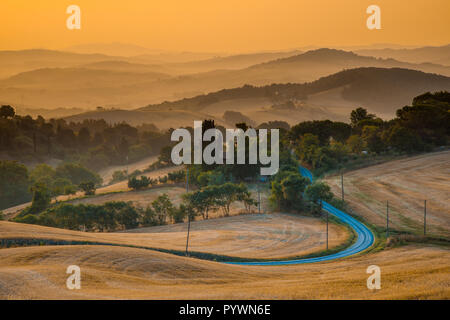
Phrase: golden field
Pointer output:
(414, 271)
(248, 236)
(126, 273)
(405, 183)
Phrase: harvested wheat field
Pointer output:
(248, 236)
(405, 183)
(127, 273)
(141, 198)
(144, 198)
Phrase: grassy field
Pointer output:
(414, 271)
(405, 183)
(125, 273)
(248, 236)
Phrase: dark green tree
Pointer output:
(6, 111)
(88, 187)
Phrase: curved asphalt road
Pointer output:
(365, 237)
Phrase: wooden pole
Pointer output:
(259, 199)
(387, 219)
(424, 217)
(327, 230)
(187, 238)
(189, 215)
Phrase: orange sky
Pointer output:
(225, 25)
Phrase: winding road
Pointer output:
(365, 237)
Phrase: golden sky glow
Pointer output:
(226, 25)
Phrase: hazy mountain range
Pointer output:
(315, 84)
(438, 55)
(90, 80)
(381, 90)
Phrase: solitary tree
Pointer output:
(7, 111)
(162, 207)
(318, 192)
(41, 197)
(360, 114)
(88, 187)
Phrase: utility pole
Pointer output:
(259, 198)
(327, 229)
(128, 178)
(387, 218)
(189, 214)
(342, 186)
(424, 217)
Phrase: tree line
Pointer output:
(18, 184)
(93, 143)
(120, 215)
(326, 145)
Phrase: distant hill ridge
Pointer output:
(361, 85)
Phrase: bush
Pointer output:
(41, 198)
(176, 176)
(29, 218)
(118, 175)
(179, 213)
(88, 188)
(138, 184)
(162, 179)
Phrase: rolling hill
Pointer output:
(124, 66)
(114, 48)
(238, 61)
(439, 55)
(117, 83)
(13, 62)
(381, 90)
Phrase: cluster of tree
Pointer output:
(144, 181)
(162, 210)
(94, 143)
(326, 145)
(213, 197)
(291, 191)
(14, 184)
(113, 216)
(41, 184)
(109, 216)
